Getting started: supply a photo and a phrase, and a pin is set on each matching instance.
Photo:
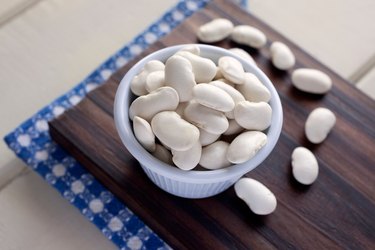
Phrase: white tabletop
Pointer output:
(48, 46)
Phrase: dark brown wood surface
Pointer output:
(337, 211)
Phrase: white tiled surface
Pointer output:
(34, 216)
(10, 9)
(48, 46)
(367, 83)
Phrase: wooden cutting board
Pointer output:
(337, 211)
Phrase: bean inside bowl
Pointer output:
(194, 183)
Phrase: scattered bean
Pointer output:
(305, 166)
(257, 196)
(318, 124)
(215, 31)
(248, 35)
(311, 81)
(282, 57)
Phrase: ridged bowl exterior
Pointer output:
(188, 189)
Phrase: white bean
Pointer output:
(231, 69)
(213, 97)
(185, 116)
(253, 89)
(218, 75)
(318, 124)
(179, 75)
(211, 120)
(257, 196)
(192, 48)
(146, 106)
(163, 154)
(311, 81)
(181, 108)
(166, 147)
(153, 65)
(214, 155)
(203, 68)
(234, 94)
(305, 166)
(282, 57)
(244, 55)
(174, 131)
(138, 83)
(206, 138)
(155, 80)
(214, 31)
(234, 128)
(248, 35)
(188, 159)
(253, 115)
(226, 81)
(245, 146)
(143, 133)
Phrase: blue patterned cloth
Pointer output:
(32, 143)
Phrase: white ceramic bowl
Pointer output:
(191, 184)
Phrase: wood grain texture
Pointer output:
(336, 212)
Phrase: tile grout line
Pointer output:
(23, 172)
(16, 11)
(362, 71)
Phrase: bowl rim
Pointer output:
(147, 160)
